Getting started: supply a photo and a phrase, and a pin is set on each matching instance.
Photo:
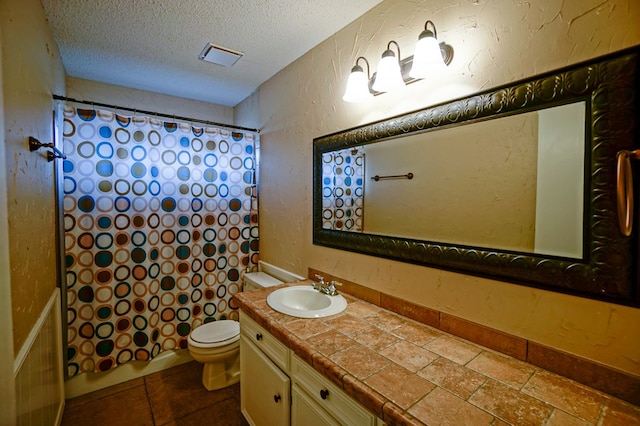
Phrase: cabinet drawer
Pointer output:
(306, 412)
(268, 344)
(328, 396)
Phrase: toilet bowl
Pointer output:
(217, 345)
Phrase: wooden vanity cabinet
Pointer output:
(315, 394)
(264, 398)
(279, 388)
(265, 386)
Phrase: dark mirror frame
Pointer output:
(608, 269)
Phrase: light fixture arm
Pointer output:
(427, 32)
(359, 68)
(390, 52)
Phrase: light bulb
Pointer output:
(389, 75)
(357, 86)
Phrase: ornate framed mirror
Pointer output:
(516, 183)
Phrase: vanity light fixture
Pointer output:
(389, 75)
(358, 83)
(430, 57)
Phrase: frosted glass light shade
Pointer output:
(389, 75)
(357, 86)
(427, 58)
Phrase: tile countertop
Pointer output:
(406, 372)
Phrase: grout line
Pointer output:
(535, 371)
(495, 416)
(603, 410)
(465, 365)
(427, 394)
(483, 384)
(146, 392)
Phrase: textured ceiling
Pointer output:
(153, 45)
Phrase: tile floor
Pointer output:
(170, 397)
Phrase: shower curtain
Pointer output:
(343, 190)
(160, 221)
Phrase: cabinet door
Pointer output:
(328, 396)
(264, 388)
(306, 412)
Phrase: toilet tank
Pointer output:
(268, 275)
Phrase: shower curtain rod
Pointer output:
(157, 114)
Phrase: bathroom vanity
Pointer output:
(370, 366)
(279, 388)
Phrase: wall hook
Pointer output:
(35, 144)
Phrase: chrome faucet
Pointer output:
(323, 287)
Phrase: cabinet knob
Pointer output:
(259, 336)
(277, 398)
(324, 393)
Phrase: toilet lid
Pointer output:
(216, 331)
(260, 279)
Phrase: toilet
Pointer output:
(217, 344)
(255, 280)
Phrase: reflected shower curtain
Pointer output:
(160, 220)
(343, 190)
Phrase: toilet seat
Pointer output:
(215, 334)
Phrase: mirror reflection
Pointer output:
(513, 183)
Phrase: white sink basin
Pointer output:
(305, 302)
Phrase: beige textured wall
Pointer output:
(495, 42)
(7, 388)
(32, 71)
(86, 90)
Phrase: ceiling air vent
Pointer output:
(220, 55)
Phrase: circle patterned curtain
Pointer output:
(160, 221)
(343, 190)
